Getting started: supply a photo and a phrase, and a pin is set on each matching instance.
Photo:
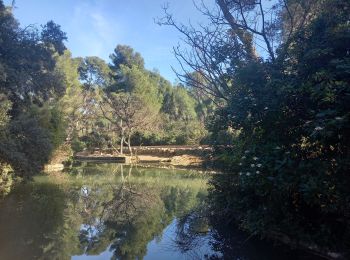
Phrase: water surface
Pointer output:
(111, 211)
(103, 211)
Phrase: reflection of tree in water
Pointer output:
(28, 217)
(119, 217)
(231, 243)
(191, 230)
(228, 241)
(120, 210)
(135, 214)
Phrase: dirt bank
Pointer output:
(58, 158)
(191, 156)
(180, 160)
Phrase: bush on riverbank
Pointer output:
(290, 166)
(6, 179)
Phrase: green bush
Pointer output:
(7, 178)
(174, 132)
(76, 144)
(25, 145)
(290, 162)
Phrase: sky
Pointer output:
(95, 27)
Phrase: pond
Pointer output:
(112, 211)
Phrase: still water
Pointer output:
(111, 211)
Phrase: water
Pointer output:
(111, 211)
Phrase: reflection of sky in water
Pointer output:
(162, 248)
(166, 248)
(104, 255)
(91, 230)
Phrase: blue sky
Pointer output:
(95, 27)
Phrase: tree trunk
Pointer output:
(129, 144)
(122, 172)
(122, 138)
(121, 144)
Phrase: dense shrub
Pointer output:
(290, 161)
(174, 133)
(76, 144)
(25, 145)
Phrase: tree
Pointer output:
(125, 55)
(128, 114)
(27, 63)
(205, 105)
(239, 32)
(179, 105)
(52, 34)
(20, 143)
(281, 75)
(72, 101)
(94, 73)
(28, 80)
(133, 99)
(5, 106)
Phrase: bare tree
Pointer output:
(238, 32)
(128, 114)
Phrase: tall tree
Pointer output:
(28, 79)
(238, 32)
(52, 34)
(95, 73)
(27, 65)
(127, 113)
(133, 97)
(125, 55)
(72, 102)
(282, 72)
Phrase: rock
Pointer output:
(54, 167)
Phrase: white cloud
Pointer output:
(102, 35)
(103, 28)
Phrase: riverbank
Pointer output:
(182, 156)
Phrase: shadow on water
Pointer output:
(112, 211)
(29, 218)
(195, 230)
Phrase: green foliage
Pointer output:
(138, 81)
(179, 105)
(5, 106)
(29, 81)
(205, 105)
(94, 73)
(25, 146)
(290, 160)
(76, 144)
(171, 111)
(52, 34)
(67, 67)
(126, 56)
(7, 179)
(94, 140)
(26, 65)
(57, 127)
(173, 133)
(52, 120)
(184, 132)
